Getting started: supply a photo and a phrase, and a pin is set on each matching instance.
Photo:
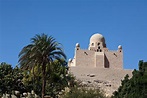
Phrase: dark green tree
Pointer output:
(17, 80)
(58, 78)
(6, 79)
(135, 87)
(42, 51)
(10, 79)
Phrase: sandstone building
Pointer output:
(99, 66)
(97, 55)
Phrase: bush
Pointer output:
(83, 93)
(79, 91)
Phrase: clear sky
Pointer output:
(121, 22)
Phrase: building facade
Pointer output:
(97, 66)
(97, 55)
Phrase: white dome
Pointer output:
(97, 38)
(119, 47)
(77, 45)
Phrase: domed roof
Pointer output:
(77, 45)
(97, 38)
(119, 47)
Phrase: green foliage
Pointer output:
(10, 79)
(56, 79)
(82, 92)
(5, 78)
(32, 80)
(42, 51)
(136, 87)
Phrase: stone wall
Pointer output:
(107, 59)
(115, 59)
(84, 58)
(99, 59)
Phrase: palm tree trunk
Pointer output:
(43, 80)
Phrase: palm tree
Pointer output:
(42, 51)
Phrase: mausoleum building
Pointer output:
(97, 55)
(98, 66)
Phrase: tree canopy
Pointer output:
(136, 87)
(10, 79)
(42, 51)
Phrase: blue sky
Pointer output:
(121, 22)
